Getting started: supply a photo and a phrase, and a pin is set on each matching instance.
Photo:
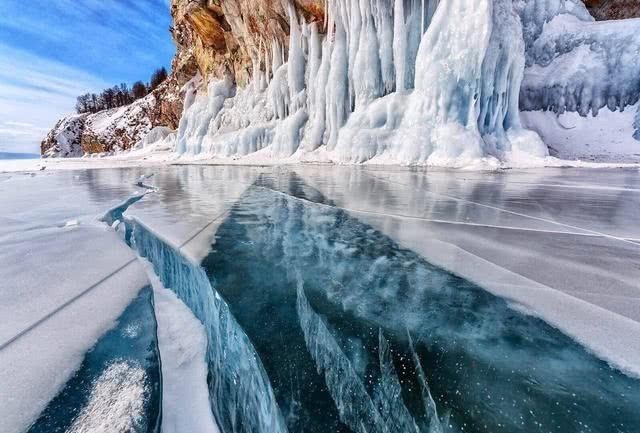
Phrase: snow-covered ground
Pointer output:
(605, 137)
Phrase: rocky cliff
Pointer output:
(613, 9)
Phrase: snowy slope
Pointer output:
(106, 131)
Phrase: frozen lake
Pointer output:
(320, 298)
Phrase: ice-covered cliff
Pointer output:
(422, 82)
(403, 81)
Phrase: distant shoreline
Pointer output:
(16, 155)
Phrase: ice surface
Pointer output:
(427, 287)
(189, 202)
(57, 280)
(476, 350)
(393, 81)
(479, 227)
(118, 387)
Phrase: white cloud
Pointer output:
(34, 94)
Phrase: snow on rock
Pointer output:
(583, 66)
(64, 139)
(105, 131)
(392, 81)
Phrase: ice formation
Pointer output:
(575, 63)
(386, 411)
(239, 391)
(416, 82)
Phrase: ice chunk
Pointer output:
(240, 393)
(183, 344)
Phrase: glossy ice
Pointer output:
(311, 294)
(344, 298)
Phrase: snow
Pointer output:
(76, 134)
(116, 401)
(605, 137)
(66, 134)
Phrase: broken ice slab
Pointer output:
(118, 386)
(488, 366)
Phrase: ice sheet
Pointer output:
(563, 248)
(58, 280)
(183, 345)
(189, 203)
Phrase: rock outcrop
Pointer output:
(613, 9)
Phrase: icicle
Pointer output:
(338, 89)
(421, 18)
(315, 58)
(276, 55)
(365, 72)
(295, 68)
(317, 125)
(399, 45)
(383, 22)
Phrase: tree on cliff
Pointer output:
(158, 76)
(139, 90)
(119, 95)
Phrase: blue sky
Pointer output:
(54, 50)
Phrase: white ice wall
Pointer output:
(405, 81)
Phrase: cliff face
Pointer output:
(613, 9)
(228, 37)
(213, 38)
